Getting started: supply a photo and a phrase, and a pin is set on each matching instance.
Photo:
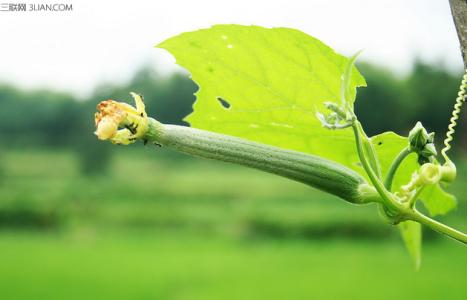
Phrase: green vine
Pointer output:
(394, 166)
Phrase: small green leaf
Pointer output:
(412, 235)
(437, 201)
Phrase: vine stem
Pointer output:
(415, 197)
(360, 138)
(394, 166)
(439, 227)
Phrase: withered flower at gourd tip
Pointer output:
(120, 122)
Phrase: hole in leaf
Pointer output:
(225, 104)
(380, 143)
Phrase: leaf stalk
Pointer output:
(394, 166)
(439, 227)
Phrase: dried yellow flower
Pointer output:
(120, 122)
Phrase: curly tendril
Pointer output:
(455, 116)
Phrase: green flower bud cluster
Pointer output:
(422, 143)
(338, 118)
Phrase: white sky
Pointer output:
(108, 40)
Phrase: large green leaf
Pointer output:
(266, 85)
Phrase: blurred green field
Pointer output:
(162, 226)
(150, 190)
(177, 266)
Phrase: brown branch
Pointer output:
(459, 14)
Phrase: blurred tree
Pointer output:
(426, 94)
(47, 118)
(2, 167)
(379, 106)
(94, 157)
(37, 117)
(433, 91)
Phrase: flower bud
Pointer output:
(422, 143)
(418, 137)
(428, 150)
